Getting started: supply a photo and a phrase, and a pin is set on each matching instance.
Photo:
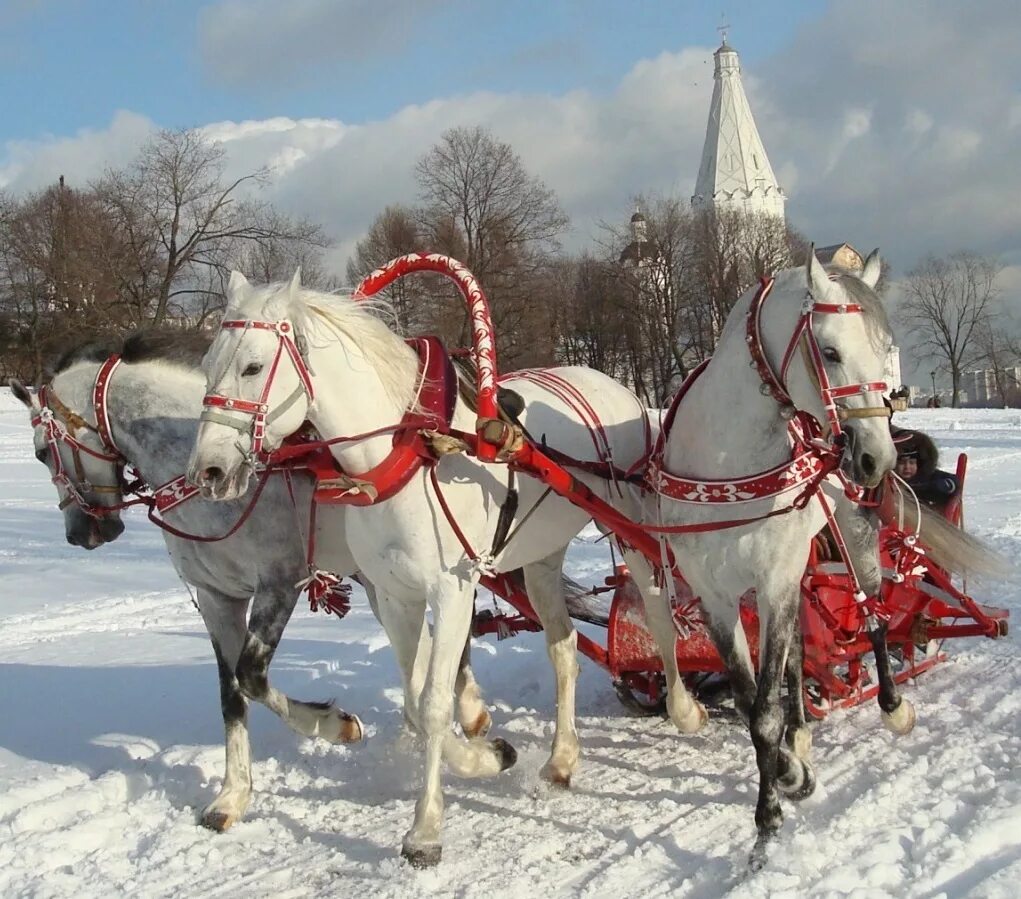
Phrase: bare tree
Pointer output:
(591, 325)
(949, 301)
(184, 220)
(58, 256)
(732, 249)
(396, 232)
(1000, 350)
(481, 205)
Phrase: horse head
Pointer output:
(834, 364)
(259, 387)
(87, 478)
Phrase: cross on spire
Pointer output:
(723, 28)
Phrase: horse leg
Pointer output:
(686, 712)
(545, 590)
(270, 613)
(798, 736)
(451, 602)
(472, 713)
(795, 776)
(897, 712)
(767, 718)
(408, 632)
(225, 621)
(861, 535)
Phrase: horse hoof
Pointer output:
(800, 742)
(480, 727)
(351, 730)
(694, 721)
(807, 786)
(556, 779)
(760, 853)
(507, 753)
(423, 856)
(217, 821)
(901, 720)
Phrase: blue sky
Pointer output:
(71, 64)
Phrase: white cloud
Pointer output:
(33, 164)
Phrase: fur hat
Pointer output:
(917, 445)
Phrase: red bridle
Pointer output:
(222, 409)
(804, 335)
(60, 424)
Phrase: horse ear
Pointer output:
(818, 280)
(22, 393)
(295, 282)
(873, 269)
(236, 282)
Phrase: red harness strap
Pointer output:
(432, 409)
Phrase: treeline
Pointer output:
(150, 244)
(644, 306)
(153, 244)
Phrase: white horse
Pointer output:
(814, 329)
(364, 378)
(247, 584)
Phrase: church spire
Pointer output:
(735, 172)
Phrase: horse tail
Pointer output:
(949, 546)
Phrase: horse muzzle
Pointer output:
(90, 533)
(218, 484)
(861, 463)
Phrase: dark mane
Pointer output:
(95, 350)
(183, 347)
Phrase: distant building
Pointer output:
(641, 252)
(981, 385)
(735, 172)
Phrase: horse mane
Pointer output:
(95, 349)
(359, 320)
(184, 348)
(876, 319)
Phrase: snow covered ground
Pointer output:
(111, 743)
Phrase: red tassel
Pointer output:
(327, 592)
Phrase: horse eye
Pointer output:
(830, 354)
(41, 454)
(253, 368)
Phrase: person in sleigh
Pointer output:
(918, 465)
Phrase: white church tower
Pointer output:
(735, 172)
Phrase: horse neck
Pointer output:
(351, 399)
(153, 409)
(725, 427)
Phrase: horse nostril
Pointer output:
(72, 539)
(868, 464)
(211, 475)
